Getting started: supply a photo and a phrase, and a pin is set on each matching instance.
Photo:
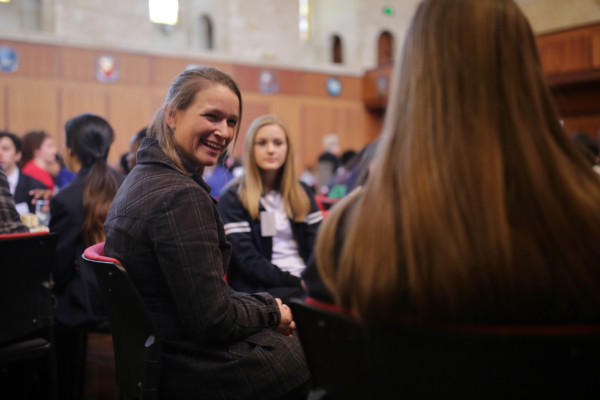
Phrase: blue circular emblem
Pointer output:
(9, 59)
(334, 86)
(268, 82)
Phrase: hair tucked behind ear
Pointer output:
(90, 137)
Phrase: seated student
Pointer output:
(165, 228)
(271, 219)
(20, 184)
(10, 222)
(39, 155)
(77, 214)
(479, 209)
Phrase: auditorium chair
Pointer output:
(348, 360)
(27, 347)
(137, 347)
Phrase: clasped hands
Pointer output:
(287, 324)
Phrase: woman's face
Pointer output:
(47, 151)
(270, 147)
(207, 126)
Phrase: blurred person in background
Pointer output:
(39, 156)
(10, 222)
(328, 162)
(77, 215)
(134, 145)
(21, 185)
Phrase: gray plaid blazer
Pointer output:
(218, 344)
(10, 222)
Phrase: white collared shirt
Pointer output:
(13, 179)
(285, 249)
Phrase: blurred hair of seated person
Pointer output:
(588, 148)
(270, 217)
(480, 210)
(134, 145)
(123, 166)
(10, 221)
(164, 226)
(39, 156)
(20, 184)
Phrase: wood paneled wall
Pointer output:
(571, 61)
(54, 83)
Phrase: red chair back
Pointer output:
(137, 346)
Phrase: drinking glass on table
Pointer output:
(42, 211)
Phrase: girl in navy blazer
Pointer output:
(270, 218)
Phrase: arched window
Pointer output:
(385, 48)
(337, 51)
(206, 33)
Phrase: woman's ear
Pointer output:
(170, 116)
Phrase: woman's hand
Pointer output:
(287, 324)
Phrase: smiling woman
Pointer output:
(205, 129)
(164, 226)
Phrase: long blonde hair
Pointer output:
(296, 201)
(181, 95)
(479, 209)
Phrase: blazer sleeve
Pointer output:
(251, 262)
(190, 255)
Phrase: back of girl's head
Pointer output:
(89, 136)
(180, 96)
(32, 141)
(479, 206)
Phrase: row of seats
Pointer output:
(347, 360)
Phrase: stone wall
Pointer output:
(257, 31)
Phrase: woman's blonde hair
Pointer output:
(181, 95)
(479, 209)
(296, 201)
